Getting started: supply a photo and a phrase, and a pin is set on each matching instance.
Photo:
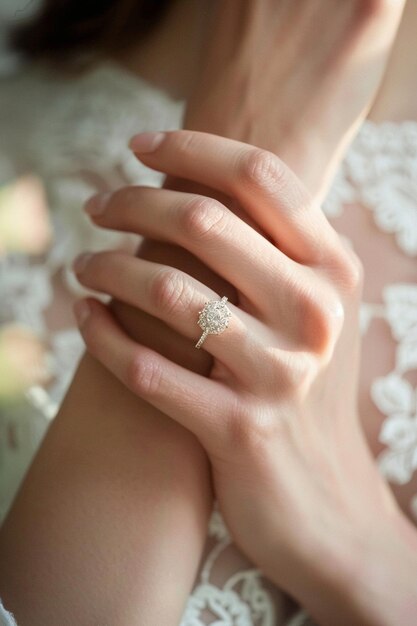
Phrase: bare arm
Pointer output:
(109, 525)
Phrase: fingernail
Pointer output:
(82, 311)
(81, 261)
(146, 142)
(97, 203)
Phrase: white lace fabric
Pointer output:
(73, 134)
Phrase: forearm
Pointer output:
(110, 522)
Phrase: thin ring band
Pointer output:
(213, 319)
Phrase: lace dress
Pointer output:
(73, 135)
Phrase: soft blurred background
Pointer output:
(61, 140)
(25, 230)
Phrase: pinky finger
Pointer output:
(192, 400)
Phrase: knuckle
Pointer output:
(169, 291)
(321, 319)
(332, 320)
(262, 169)
(249, 426)
(354, 274)
(144, 375)
(203, 218)
(300, 371)
(349, 272)
(293, 371)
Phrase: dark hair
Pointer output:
(76, 33)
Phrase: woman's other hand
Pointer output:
(295, 78)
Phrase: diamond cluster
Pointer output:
(214, 318)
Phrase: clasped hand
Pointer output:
(277, 414)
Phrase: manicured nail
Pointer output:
(81, 261)
(97, 203)
(146, 142)
(82, 311)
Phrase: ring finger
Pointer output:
(174, 297)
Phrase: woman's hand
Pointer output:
(277, 415)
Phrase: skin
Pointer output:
(277, 442)
(301, 127)
(106, 499)
(311, 123)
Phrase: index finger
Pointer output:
(268, 190)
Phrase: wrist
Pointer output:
(310, 150)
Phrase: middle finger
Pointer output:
(207, 229)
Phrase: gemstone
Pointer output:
(214, 318)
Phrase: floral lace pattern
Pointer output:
(380, 172)
(85, 124)
(394, 395)
(242, 601)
